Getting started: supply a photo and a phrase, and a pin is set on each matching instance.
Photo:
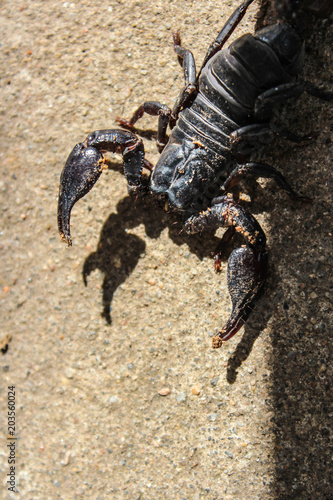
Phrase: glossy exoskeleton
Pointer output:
(220, 117)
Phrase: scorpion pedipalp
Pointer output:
(84, 167)
(247, 266)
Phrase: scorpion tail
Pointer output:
(246, 276)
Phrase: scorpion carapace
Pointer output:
(221, 117)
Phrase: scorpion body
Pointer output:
(229, 90)
(221, 116)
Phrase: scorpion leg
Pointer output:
(187, 62)
(84, 167)
(265, 102)
(152, 108)
(254, 169)
(311, 89)
(247, 266)
(226, 32)
(246, 140)
(250, 138)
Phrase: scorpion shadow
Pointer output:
(118, 250)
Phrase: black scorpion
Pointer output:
(217, 121)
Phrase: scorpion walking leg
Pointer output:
(247, 266)
(248, 138)
(84, 167)
(226, 32)
(261, 170)
(266, 101)
(187, 61)
(251, 138)
(311, 89)
(152, 108)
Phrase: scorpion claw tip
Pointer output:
(217, 342)
(66, 238)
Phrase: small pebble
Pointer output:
(195, 390)
(181, 398)
(70, 372)
(65, 461)
(164, 392)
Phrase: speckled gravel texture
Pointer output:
(119, 394)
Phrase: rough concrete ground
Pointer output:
(250, 420)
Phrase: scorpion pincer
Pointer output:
(217, 122)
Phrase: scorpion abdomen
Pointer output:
(232, 81)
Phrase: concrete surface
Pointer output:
(252, 420)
